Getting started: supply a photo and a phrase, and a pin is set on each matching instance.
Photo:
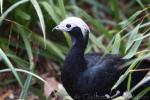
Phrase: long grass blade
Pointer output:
(116, 45)
(146, 79)
(142, 93)
(62, 8)
(30, 57)
(11, 8)
(133, 35)
(134, 48)
(40, 15)
(24, 71)
(50, 11)
(1, 6)
(9, 64)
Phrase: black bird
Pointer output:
(91, 76)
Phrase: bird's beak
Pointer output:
(58, 27)
(55, 28)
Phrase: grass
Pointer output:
(28, 35)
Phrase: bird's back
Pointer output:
(102, 73)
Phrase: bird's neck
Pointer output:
(75, 57)
(75, 62)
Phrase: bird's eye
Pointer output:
(68, 25)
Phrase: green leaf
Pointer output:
(129, 82)
(9, 64)
(133, 35)
(115, 8)
(97, 43)
(30, 57)
(116, 45)
(40, 15)
(134, 48)
(142, 55)
(142, 93)
(129, 20)
(50, 11)
(19, 61)
(23, 15)
(11, 8)
(1, 6)
(143, 81)
(24, 71)
(62, 8)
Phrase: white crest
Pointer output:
(74, 22)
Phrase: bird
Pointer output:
(91, 76)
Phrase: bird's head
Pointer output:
(76, 27)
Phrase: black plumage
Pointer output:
(92, 76)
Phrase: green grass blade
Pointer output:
(129, 82)
(133, 35)
(116, 45)
(134, 49)
(50, 11)
(141, 94)
(131, 19)
(1, 6)
(142, 37)
(24, 91)
(18, 61)
(9, 64)
(11, 8)
(98, 44)
(145, 24)
(115, 7)
(146, 79)
(40, 15)
(142, 55)
(51, 47)
(24, 71)
(62, 8)
(122, 77)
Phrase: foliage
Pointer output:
(25, 34)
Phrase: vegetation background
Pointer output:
(32, 56)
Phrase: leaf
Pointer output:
(134, 49)
(1, 6)
(24, 92)
(123, 77)
(23, 15)
(50, 11)
(40, 15)
(62, 8)
(8, 95)
(9, 64)
(24, 71)
(11, 8)
(52, 86)
(145, 24)
(97, 43)
(19, 61)
(142, 37)
(142, 93)
(129, 20)
(133, 35)
(143, 81)
(142, 55)
(129, 82)
(116, 45)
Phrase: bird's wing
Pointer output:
(102, 72)
(95, 59)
